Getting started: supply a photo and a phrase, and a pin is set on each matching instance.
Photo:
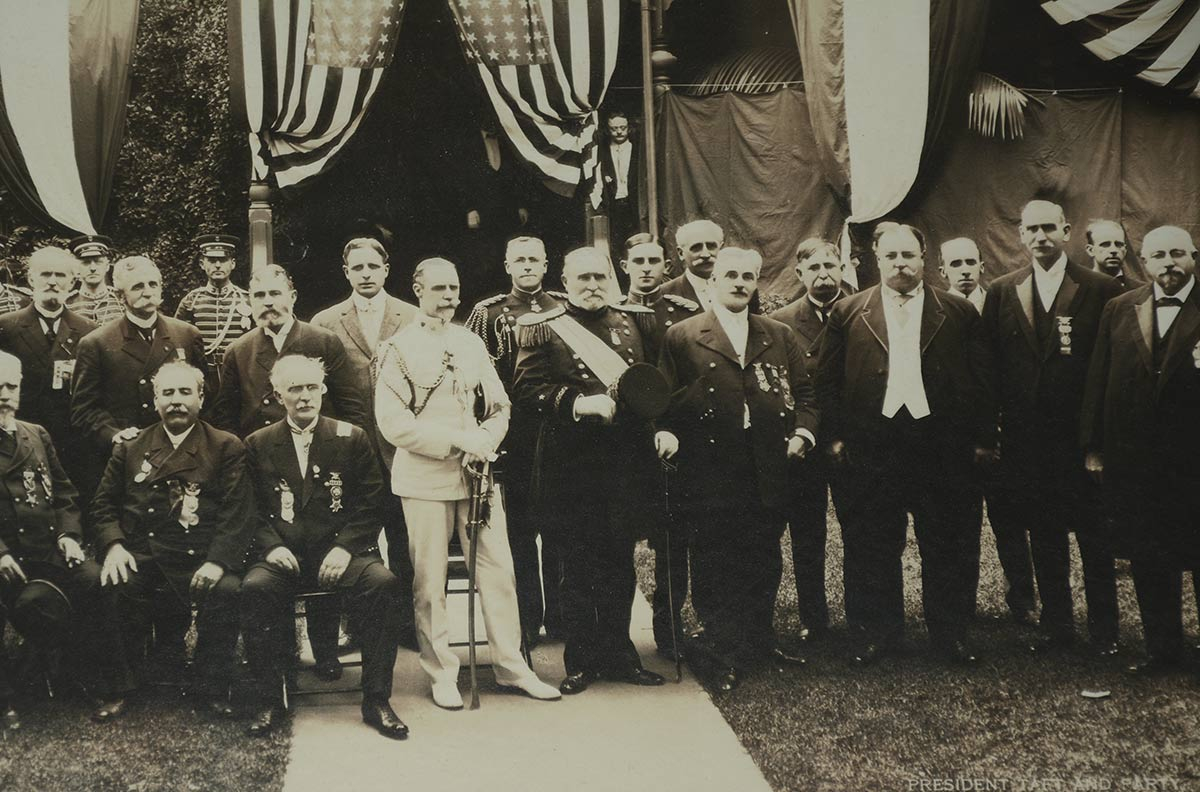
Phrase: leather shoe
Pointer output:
(381, 716)
(108, 711)
(263, 723)
(785, 657)
(534, 688)
(1106, 648)
(957, 653)
(446, 696)
(328, 670)
(636, 676)
(577, 682)
(727, 680)
(868, 654)
(1023, 617)
(1056, 642)
(1154, 666)
(10, 718)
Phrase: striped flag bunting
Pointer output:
(1156, 40)
(304, 73)
(64, 87)
(545, 66)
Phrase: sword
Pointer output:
(477, 519)
(667, 469)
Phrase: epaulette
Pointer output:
(533, 329)
(631, 308)
(490, 301)
(682, 302)
(645, 318)
(557, 295)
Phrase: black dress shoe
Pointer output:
(263, 723)
(785, 657)
(1023, 617)
(577, 682)
(727, 680)
(381, 716)
(328, 670)
(636, 676)
(957, 653)
(108, 711)
(1155, 666)
(10, 719)
(1058, 642)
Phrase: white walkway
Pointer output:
(612, 737)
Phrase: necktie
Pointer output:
(51, 330)
(305, 437)
(1168, 302)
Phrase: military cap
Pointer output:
(216, 245)
(90, 246)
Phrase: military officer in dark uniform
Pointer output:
(495, 321)
(319, 487)
(645, 263)
(819, 267)
(1041, 322)
(173, 519)
(95, 300)
(743, 410)
(220, 309)
(48, 590)
(45, 335)
(113, 397)
(1140, 435)
(593, 465)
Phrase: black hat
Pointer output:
(641, 392)
(90, 246)
(216, 245)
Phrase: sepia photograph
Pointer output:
(599, 395)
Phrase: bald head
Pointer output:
(1044, 231)
(1169, 256)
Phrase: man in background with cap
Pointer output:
(95, 301)
(220, 309)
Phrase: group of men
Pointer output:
(217, 464)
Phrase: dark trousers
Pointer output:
(66, 609)
(1158, 583)
(1012, 546)
(1048, 510)
(907, 467)
(371, 594)
(808, 527)
(598, 584)
(149, 598)
(537, 574)
(671, 560)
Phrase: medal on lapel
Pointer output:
(1064, 335)
(29, 479)
(244, 310)
(145, 470)
(761, 376)
(191, 504)
(335, 491)
(47, 484)
(615, 336)
(785, 387)
(287, 502)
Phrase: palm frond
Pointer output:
(996, 108)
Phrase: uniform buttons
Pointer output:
(146, 406)
(670, 309)
(629, 350)
(582, 366)
(266, 401)
(781, 415)
(191, 551)
(150, 510)
(711, 440)
(712, 390)
(668, 323)
(506, 309)
(150, 534)
(631, 361)
(626, 331)
(881, 371)
(511, 319)
(20, 530)
(574, 357)
(142, 381)
(712, 364)
(584, 375)
(272, 516)
(266, 423)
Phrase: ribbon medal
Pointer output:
(761, 376)
(615, 336)
(145, 470)
(47, 484)
(335, 491)
(29, 479)
(1064, 335)
(786, 388)
(190, 504)
(287, 502)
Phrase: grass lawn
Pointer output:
(1014, 722)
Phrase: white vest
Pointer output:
(905, 385)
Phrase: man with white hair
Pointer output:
(1140, 435)
(744, 410)
(440, 402)
(696, 244)
(49, 591)
(45, 335)
(113, 397)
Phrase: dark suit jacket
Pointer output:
(852, 371)
(1039, 390)
(1144, 420)
(710, 391)
(801, 316)
(112, 388)
(341, 457)
(140, 499)
(30, 530)
(681, 286)
(608, 175)
(21, 335)
(246, 400)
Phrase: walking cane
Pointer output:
(667, 469)
(477, 519)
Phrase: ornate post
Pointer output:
(262, 250)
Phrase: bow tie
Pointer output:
(1168, 302)
(302, 432)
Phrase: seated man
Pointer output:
(48, 590)
(173, 519)
(319, 489)
(441, 403)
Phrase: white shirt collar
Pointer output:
(367, 304)
(892, 296)
(1182, 294)
(145, 324)
(1057, 270)
(735, 325)
(46, 317)
(700, 286)
(277, 337)
(177, 439)
(312, 427)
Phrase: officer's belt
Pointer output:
(598, 356)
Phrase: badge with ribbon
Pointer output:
(145, 470)
(287, 502)
(47, 483)
(29, 479)
(615, 336)
(785, 388)
(190, 505)
(761, 375)
(335, 491)
(1064, 335)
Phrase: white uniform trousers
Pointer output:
(430, 525)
